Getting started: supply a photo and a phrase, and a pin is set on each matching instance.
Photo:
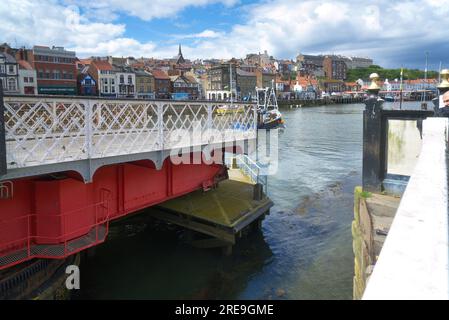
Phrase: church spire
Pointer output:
(180, 59)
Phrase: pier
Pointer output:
(400, 230)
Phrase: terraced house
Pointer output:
(9, 73)
(144, 84)
(184, 87)
(104, 75)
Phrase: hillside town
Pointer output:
(44, 70)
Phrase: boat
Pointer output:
(268, 111)
(390, 98)
(229, 109)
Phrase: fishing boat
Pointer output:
(268, 111)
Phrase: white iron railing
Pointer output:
(53, 130)
(250, 168)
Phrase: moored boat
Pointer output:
(269, 115)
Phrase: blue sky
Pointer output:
(393, 33)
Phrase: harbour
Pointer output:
(304, 250)
(223, 157)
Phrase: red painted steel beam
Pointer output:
(47, 217)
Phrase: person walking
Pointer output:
(443, 111)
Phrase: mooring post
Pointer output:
(373, 140)
(443, 87)
(2, 133)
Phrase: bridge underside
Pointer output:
(54, 216)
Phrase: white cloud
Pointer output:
(388, 31)
(46, 22)
(147, 9)
(381, 29)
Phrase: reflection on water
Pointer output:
(303, 252)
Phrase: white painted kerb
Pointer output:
(413, 263)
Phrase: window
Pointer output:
(113, 81)
(47, 74)
(122, 79)
(25, 79)
(30, 79)
(56, 75)
(105, 81)
(113, 89)
(12, 84)
(105, 89)
(11, 69)
(40, 74)
(130, 80)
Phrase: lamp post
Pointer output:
(373, 144)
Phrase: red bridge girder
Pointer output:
(54, 217)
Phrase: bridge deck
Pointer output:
(46, 131)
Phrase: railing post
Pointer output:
(209, 116)
(88, 124)
(373, 140)
(3, 166)
(160, 122)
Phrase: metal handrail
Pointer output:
(45, 130)
(251, 169)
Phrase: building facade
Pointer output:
(9, 73)
(333, 86)
(27, 78)
(56, 70)
(310, 65)
(125, 82)
(220, 84)
(184, 87)
(104, 75)
(87, 85)
(357, 62)
(162, 84)
(265, 78)
(246, 84)
(335, 68)
(144, 84)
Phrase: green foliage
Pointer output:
(365, 194)
(391, 74)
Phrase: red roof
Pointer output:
(85, 62)
(102, 65)
(159, 74)
(25, 65)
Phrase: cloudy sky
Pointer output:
(394, 33)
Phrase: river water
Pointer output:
(303, 252)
